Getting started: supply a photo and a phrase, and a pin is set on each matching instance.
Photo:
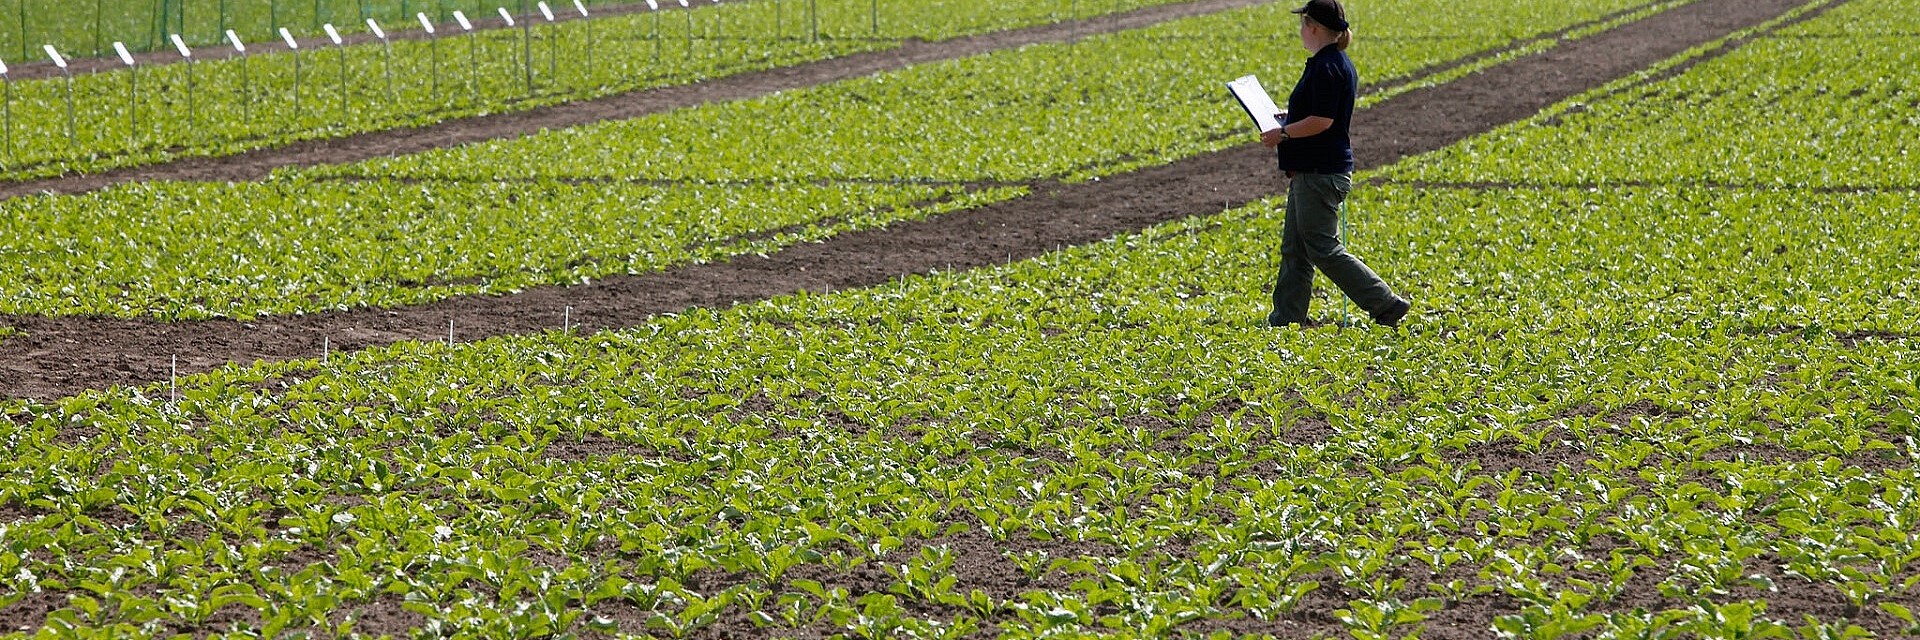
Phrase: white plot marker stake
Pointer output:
(553, 44)
(294, 45)
(173, 382)
(449, 332)
(719, 31)
(526, 39)
(684, 8)
(386, 52)
(7, 81)
(339, 47)
(133, 90)
(473, 55)
(246, 81)
(61, 62)
(584, 17)
(654, 7)
(193, 110)
(433, 50)
(566, 320)
(326, 348)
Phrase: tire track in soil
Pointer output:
(256, 165)
(62, 356)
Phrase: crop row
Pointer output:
(205, 249)
(218, 107)
(1156, 99)
(1799, 121)
(92, 28)
(1152, 96)
(1579, 431)
(145, 25)
(1596, 425)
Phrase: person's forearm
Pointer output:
(1308, 127)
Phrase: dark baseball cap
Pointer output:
(1328, 13)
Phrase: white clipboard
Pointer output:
(1255, 100)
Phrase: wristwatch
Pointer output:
(1284, 136)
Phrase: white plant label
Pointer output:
(182, 46)
(54, 55)
(653, 6)
(288, 36)
(582, 8)
(506, 16)
(332, 34)
(3, 67)
(425, 23)
(683, 4)
(545, 12)
(235, 39)
(124, 56)
(375, 28)
(462, 19)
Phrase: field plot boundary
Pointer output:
(408, 30)
(63, 356)
(258, 164)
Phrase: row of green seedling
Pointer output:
(234, 102)
(1155, 98)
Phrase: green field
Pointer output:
(163, 112)
(90, 29)
(1660, 382)
(219, 250)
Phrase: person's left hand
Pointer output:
(1271, 138)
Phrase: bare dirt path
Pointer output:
(254, 165)
(63, 356)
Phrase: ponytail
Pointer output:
(1344, 40)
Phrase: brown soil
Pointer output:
(254, 165)
(61, 356)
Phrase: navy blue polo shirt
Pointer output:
(1327, 88)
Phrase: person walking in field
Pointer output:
(1317, 157)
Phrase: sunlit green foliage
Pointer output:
(1653, 411)
(1574, 422)
(78, 26)
(292, 245)
(1664, 410)
(240, 105)
(1097, 106)
(238, 250)
(1776, 113)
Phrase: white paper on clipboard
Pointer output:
(1255, 100)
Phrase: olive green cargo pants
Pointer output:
(1311, 239)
